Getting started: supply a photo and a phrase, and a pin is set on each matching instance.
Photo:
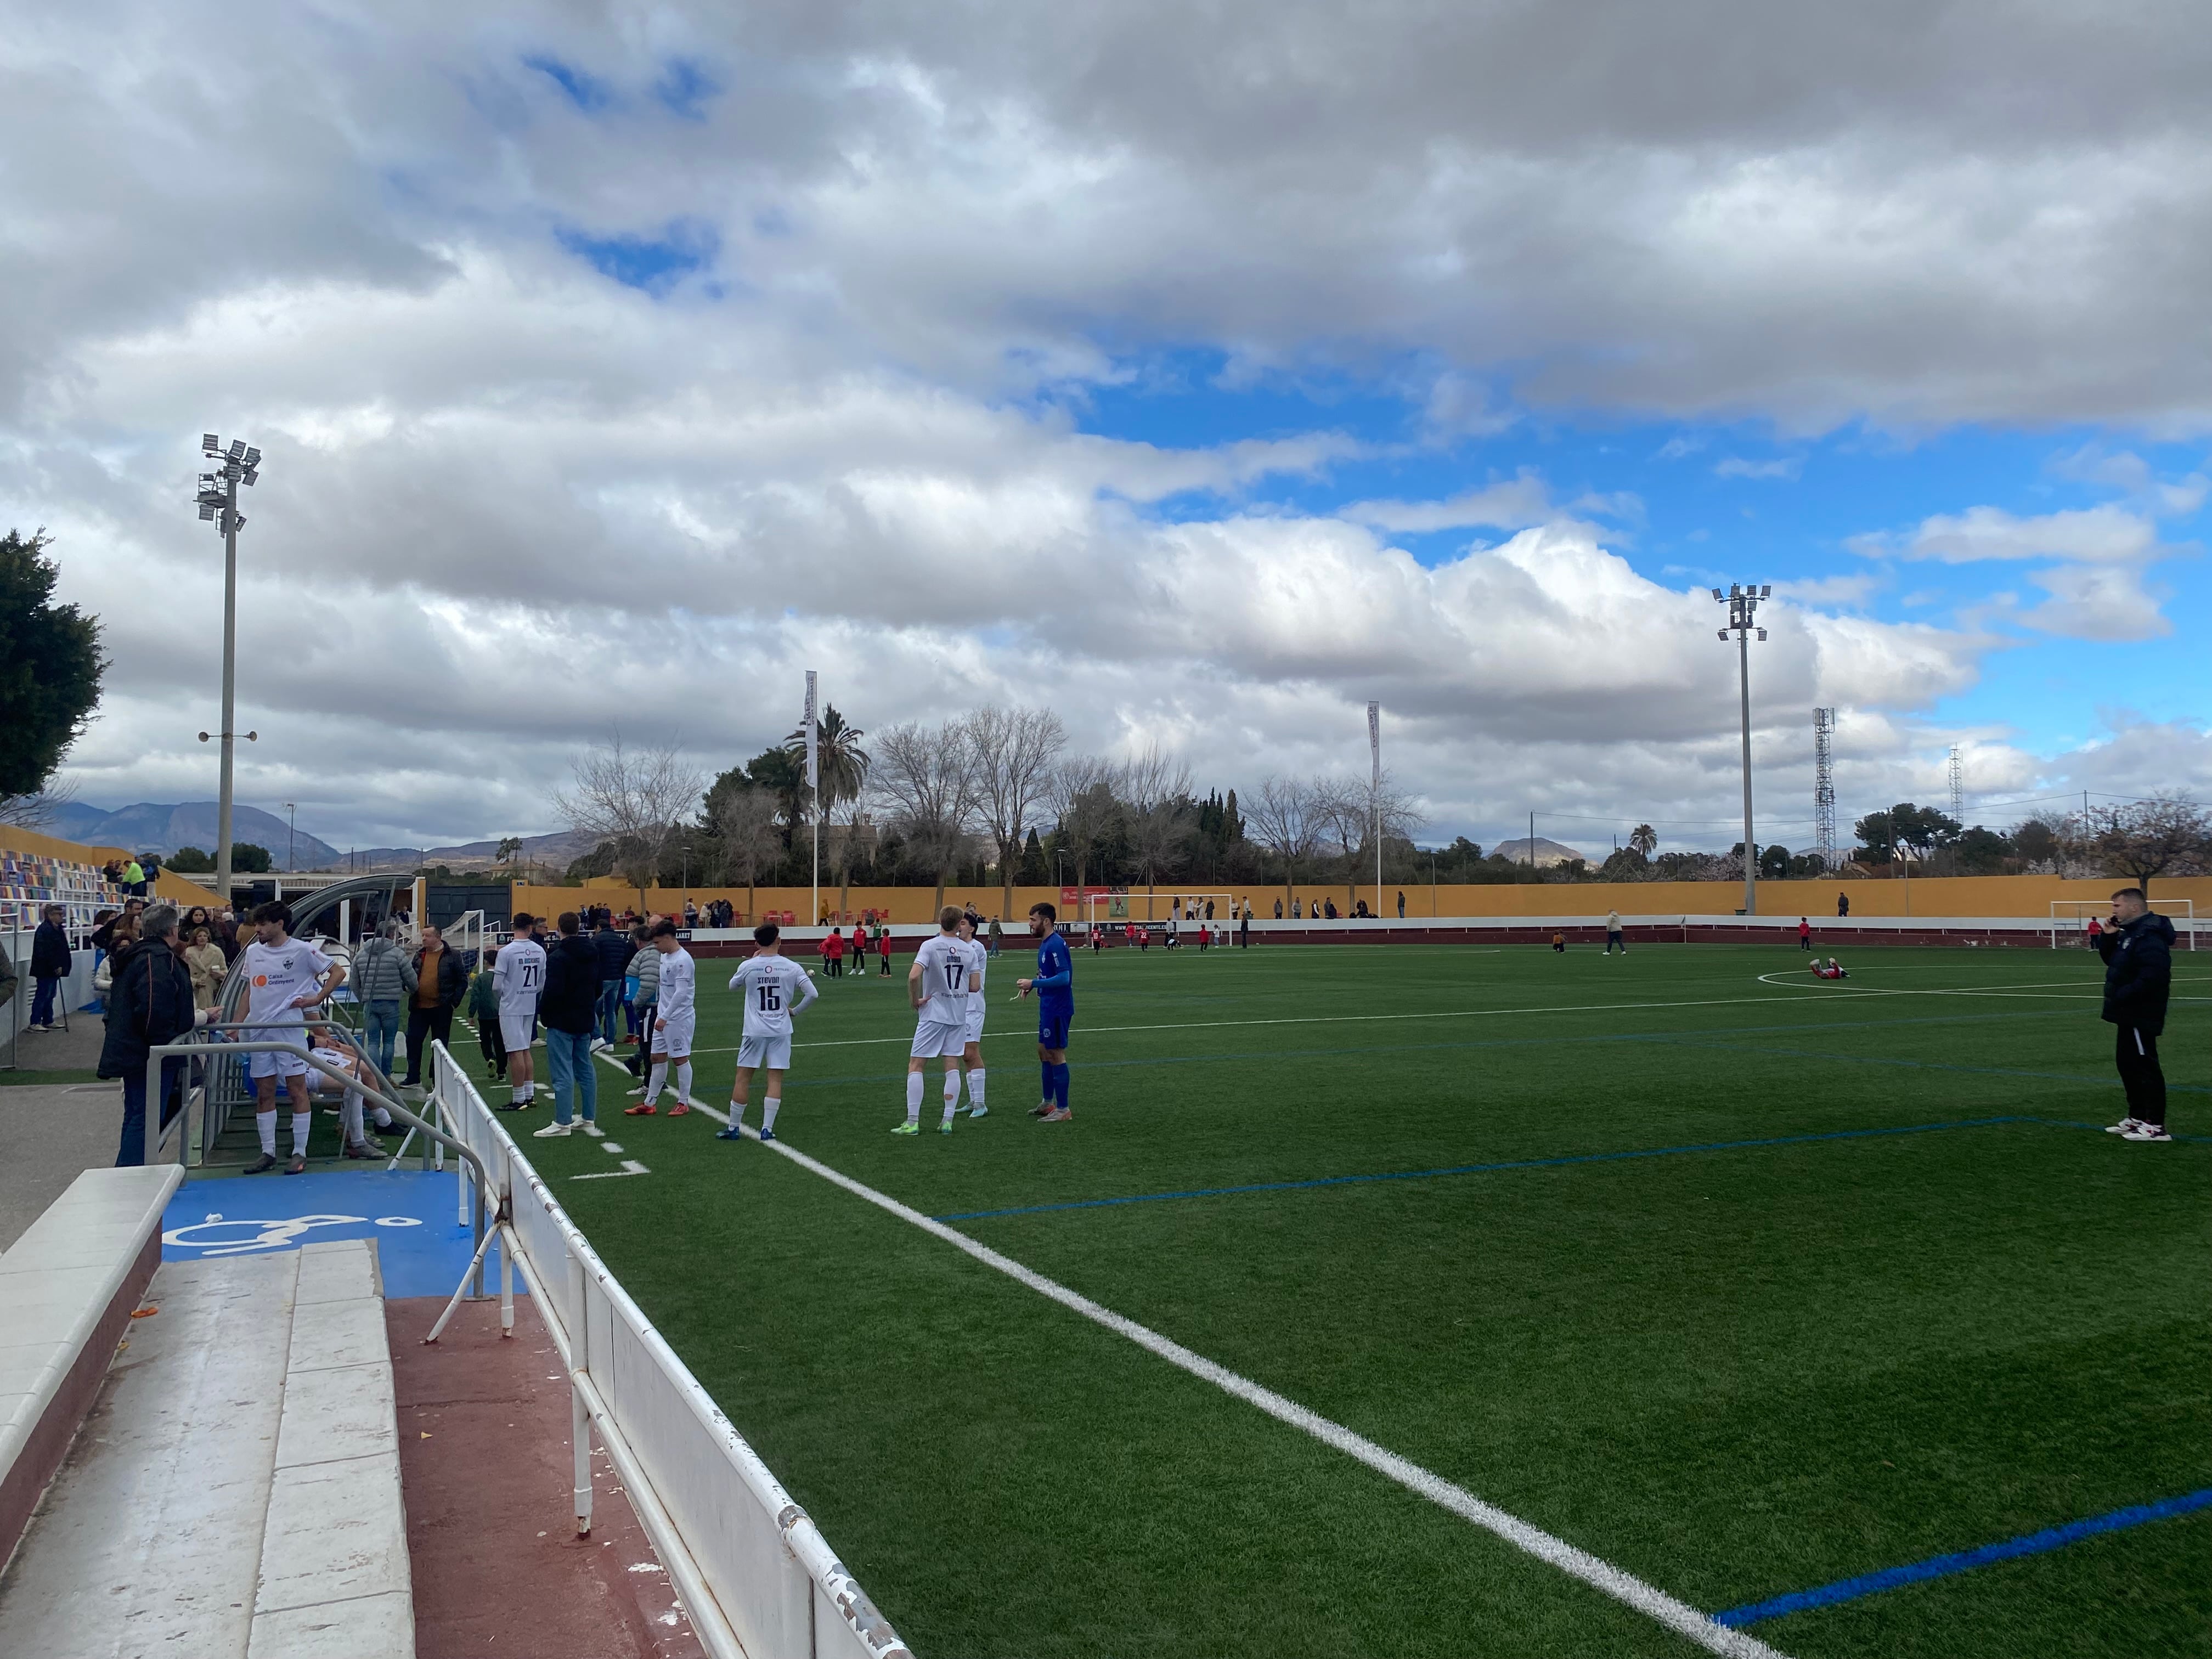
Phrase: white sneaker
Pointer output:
(551, 1132)
(2122, 1126)
(2146, 1132)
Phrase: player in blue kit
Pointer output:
(1054, 985)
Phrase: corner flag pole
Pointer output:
(1374, 792)
(814, 800)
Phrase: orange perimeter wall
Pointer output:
(2026, 897)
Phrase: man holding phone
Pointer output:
(2138, 946)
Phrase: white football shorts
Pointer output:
(515, 1033)
(975, 1021)
(934, 1037)
(771, 1052)
(675, 1041)
(265, 1064)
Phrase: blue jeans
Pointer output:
(610, 1002)
(380, 1030)
(131, 1150)
(570, 1055)
(42, 1001)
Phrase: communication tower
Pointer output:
(1823, 785)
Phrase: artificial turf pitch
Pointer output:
(1736, 1371)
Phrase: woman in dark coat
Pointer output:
(149, 1002)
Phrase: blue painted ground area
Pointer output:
(408, 1212)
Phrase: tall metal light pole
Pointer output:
(218, 502)
(291, 832)
(1374, 794)
(1742, 601)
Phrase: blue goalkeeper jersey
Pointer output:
(1055, 975)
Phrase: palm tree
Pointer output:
(1642, 839)
(842, 765)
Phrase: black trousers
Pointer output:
(2136, 1052)
(490, 1040)
(423, 1023)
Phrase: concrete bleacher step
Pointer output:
(235, 1489)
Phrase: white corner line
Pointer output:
(631, 1167)
(1622, 1586)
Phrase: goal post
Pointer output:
(2070, 919)
(1114, 909)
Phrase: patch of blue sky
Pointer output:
(684, 87)
(1688, 503)
(652, 265)
(587, 92)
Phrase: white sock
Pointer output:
(653, 1083)
(381, 1118)
(684, 1082)
(350, 1117)
(951, 1094)
(266, 1123)
(975, 1086)
(300, 1122)
(914, 1096)
(768, 1109)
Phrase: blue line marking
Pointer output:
(1486, 1168)
(1941, 1566)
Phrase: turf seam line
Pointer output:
(1492, 1168)
(1622, 1586)
(1942, 1566)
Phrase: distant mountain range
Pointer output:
(149, 828)
(1548, 852)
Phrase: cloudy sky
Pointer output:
(1202, 372)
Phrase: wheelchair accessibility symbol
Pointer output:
(216, 1236)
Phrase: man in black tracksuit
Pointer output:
(2138, 951)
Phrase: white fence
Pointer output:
(755, 1574)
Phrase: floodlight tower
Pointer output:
(1823, 785)
(1958, 784)
(218, 503)
(1743, 600)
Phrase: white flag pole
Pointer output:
(1374, 792)
(814, 800)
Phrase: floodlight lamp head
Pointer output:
(249, 476)
(1736, 590)
(203, 736)
(209, 444)
(1717, 594)
(1766, 591)
(1762, 634)
(1724, 636)
(253, 456)
(206, 511)
(237, 449)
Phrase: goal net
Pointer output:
(2070, 920)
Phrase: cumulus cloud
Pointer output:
(614, 366)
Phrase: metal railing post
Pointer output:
(579, 1413)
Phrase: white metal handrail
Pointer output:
(755, 1573)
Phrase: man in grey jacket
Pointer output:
(381, 977)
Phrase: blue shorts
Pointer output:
(1052, 1027)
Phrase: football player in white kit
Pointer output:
(674, 1022)
(938, 985)
(971, 1057)
(284, 977)
(774, 988)
(517, 975)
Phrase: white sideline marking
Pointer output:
(631, 1167)
(1627, 1587)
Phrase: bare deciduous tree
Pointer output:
(1083, 799)
(746, 824)
(1156, 791)
(2168, 834)
(925, 777)
(1282, 820)
(1014, 751)
(636, 799)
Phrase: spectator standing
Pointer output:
(612, 951)
(134, 879)
(436, 982)
(2138, 953)
(1843, 905)
(645, 970)
(1401, 907)
(208, 970)
(1804, 933)
(1613, 936)
(49, 966)
(484, 1010)
(570, 1008)
(995, 937)
(1244, 926)
(150, 1004)
(226, 936)
(380, 986)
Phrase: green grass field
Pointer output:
(1869, 1288)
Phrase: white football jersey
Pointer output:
(679, 985)
(277, 973)
(774, 988)
(979, 963)
(945, 970)
(519, 974)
